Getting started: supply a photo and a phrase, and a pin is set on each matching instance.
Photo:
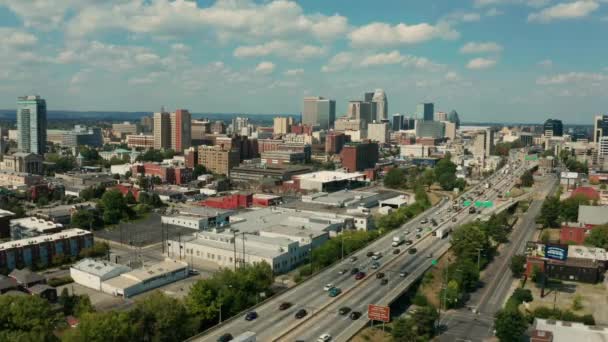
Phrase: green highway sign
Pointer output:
(467, 203)
(532, 157)
(484, 204)
(434, 262)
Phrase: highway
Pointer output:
(466, 325)
(276, 325)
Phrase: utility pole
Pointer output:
(479, 259)
(243, 262)
(234, 245)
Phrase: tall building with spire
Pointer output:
(381, 103)
(31, 124)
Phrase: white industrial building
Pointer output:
(321, 180)
(283, 248)
(32, 226)
(415, 151)
(198, 218)
(397, 202)
(147, 278)
(91, 273)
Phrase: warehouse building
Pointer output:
(147, 278)
(91, 273)
(198, 218)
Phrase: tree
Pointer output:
(420, 326)
(105, 326)
(467, 240)
(522, 295)
(130, 199)
(550, 211)
(598, 237)
(569, 208)
(162, 318)
(445, 173)
(394, 178)
(114, 207)
(517, 265)
(26, 318)
(465, 272)
(198, 170)
(527, 179)
(428, 177)
(86, 219)
(510, 325)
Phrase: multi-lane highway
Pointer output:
(322, 316)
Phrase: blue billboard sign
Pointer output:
(556, 252)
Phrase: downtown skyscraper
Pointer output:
(319, 111)
(31, 124)
(173, 130)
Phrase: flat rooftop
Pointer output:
(6, 213)
(255, 220)
(569, 331)
(399, 200)
(65, 234)
(330, 176)
(584, 252)
(98, 268)
(35, 223)
(264, 247)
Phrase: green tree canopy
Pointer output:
(26, 318)
(510, 325)
(598, 237)
(395, 178)
(517, 265)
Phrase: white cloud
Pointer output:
(44, 14)
(452, 76)
(265, 68)
(294, 72)
(493, 12)
(481, 63)
(292, 50)
(480, 47)
(345, 60)
(570, 10)
(572, 78)
(338, 62)
(382, 34)
(16, 38)
(531, 3)
(547, 63)
(229, 19)
(110, 57)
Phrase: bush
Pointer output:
(55, 282)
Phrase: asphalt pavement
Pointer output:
(475, 322)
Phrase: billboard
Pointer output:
(547, 251)
(379, 313)
(556, 252)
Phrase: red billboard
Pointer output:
(379, 313)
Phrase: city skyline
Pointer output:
(466, 56)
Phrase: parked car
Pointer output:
(284, 306)
(301, 313)
(344, 310)
(353, 259)
(343, 271)
(225, 338)
(251, 315)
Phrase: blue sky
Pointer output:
(491, 60)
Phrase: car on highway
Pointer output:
(353, 259)
(355, 315)
(377, 255)
(354, 271)
(344, 310)
(251, 315)
(301, 313)
(375, 265)
(454, 219)
(418, 236)
(403, 274)
(284, 306)
(396, 251)
(370, 254)
(334, 292)
(408, 242)
(225, 338)
(424, 221)
(412, 250)
(324, 338)
(384, 281)
(380, 275)
(419, 229)
(360, 275)
(328, 287)
(343, 271)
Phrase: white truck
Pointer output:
(397, 240)
(247, 336)
(442, 232)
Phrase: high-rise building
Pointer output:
(238, 123)
(454, 118)
(282, 125)
(450, 130)
(334, 141)
(600, 128)
(397, 123)
(319, 111)
(602, 149)
(483, 145)
(409, 123)
(147, 124)
(359, 156)
(181, 130)
(83, 136)
(553, 128)
(362, 111)
(381, 102)
(425, 111)
(441, 116)
(121, 130)
(378, 131)
(162, 130)
(430, 129)
(218, 160)
(31, 124)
